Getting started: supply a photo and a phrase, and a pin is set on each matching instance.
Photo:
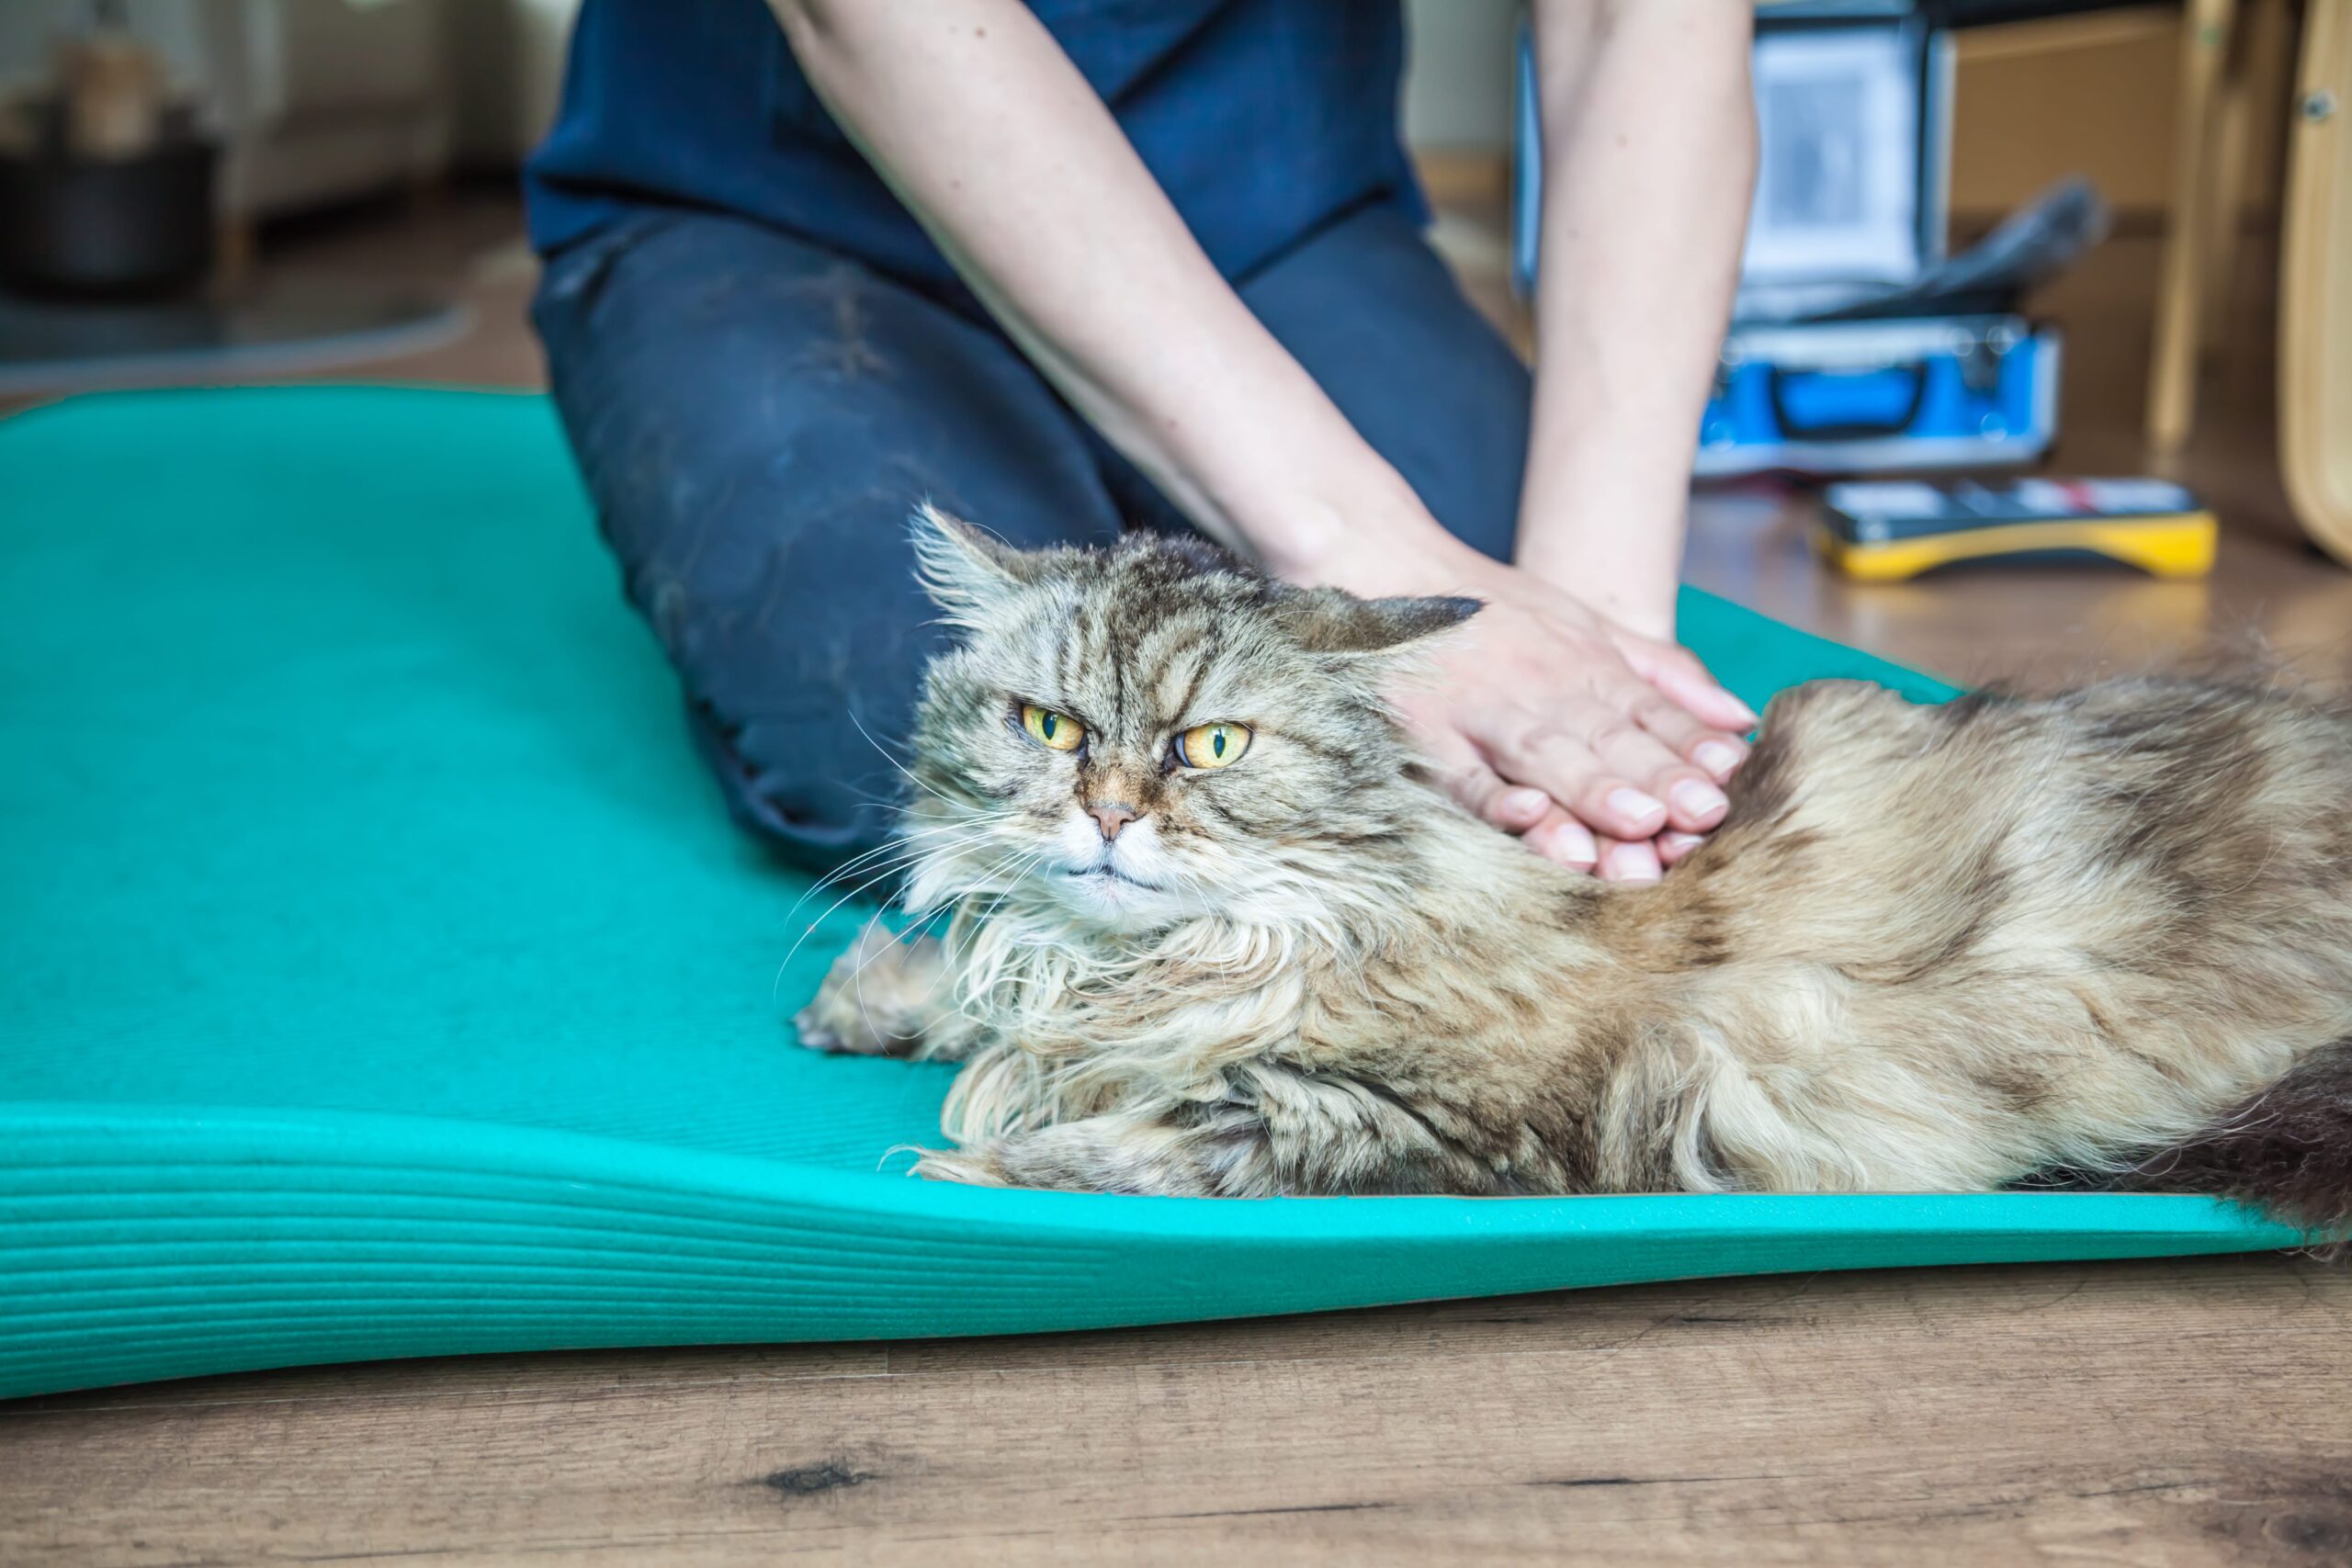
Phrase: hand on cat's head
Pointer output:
(1137, 735)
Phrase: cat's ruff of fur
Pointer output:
(1930, 948)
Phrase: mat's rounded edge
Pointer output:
(151, 1242)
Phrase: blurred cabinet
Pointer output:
(323, 100)
(314, 100)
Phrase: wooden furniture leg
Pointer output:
(2172, 387)
(2315, 286)
(2253, 31)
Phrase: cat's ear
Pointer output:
(1325, 620)
(968, 573)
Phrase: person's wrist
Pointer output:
(1603, 522)
(1634, 592)
(1647, 610)
(1375, 543)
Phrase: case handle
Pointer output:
(1848, 405)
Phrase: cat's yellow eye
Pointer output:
(1055, 731)
(1212, 745)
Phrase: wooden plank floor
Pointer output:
(2150, 1414)
(2141, 1413)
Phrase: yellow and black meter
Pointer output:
(1885, 530)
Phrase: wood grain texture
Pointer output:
(2156, 1414)
(2315, 286)
(2206, 49)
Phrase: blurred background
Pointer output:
(230, 191)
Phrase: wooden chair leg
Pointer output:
(2225, 192)
(2172, 389)
(2315, 286)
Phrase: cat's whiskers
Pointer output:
(878, 863)
(857, 975)
(895, 848)
(951, 852)
(917, 919)
(898, 764)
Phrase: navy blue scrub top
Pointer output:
(1262, 119)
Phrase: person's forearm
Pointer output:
(1649, 154)
(989, 134)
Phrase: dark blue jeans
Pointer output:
(756, 416)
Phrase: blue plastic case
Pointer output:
(1849, 397)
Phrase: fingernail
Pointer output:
(1525, 802)
(1747, 714)
(1681, 845)
(1633, 805)
(1698, 799)
(1720, 758)
(1567, 842)
(1633, 863)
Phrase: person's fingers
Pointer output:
(1562, 838)
(1677, 673)
(1518, 809)
(1540, 823)
(1512, 807)
(1553, 753)
(1632, 861)
(1672, 846)
(1720, 755)
(1618, 809)
(1688, 737)
(1515, 809)
(1692, 802)
(1610, 773)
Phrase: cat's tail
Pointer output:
(2286, 1151)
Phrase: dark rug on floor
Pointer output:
(49, 345)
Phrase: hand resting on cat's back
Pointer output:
(1211, 929)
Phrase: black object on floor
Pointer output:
(126, 226)
(134, 222)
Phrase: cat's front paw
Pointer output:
(1116, 1153)
(1042, 1162)
(876, 1000)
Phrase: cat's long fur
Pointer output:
(1932, 948)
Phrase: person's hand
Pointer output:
(1603, 749)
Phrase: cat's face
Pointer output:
(1146, 734)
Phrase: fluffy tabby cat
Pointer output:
(1215, 930)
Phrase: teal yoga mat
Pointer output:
(378, 977)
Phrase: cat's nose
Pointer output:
(1111, 816)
